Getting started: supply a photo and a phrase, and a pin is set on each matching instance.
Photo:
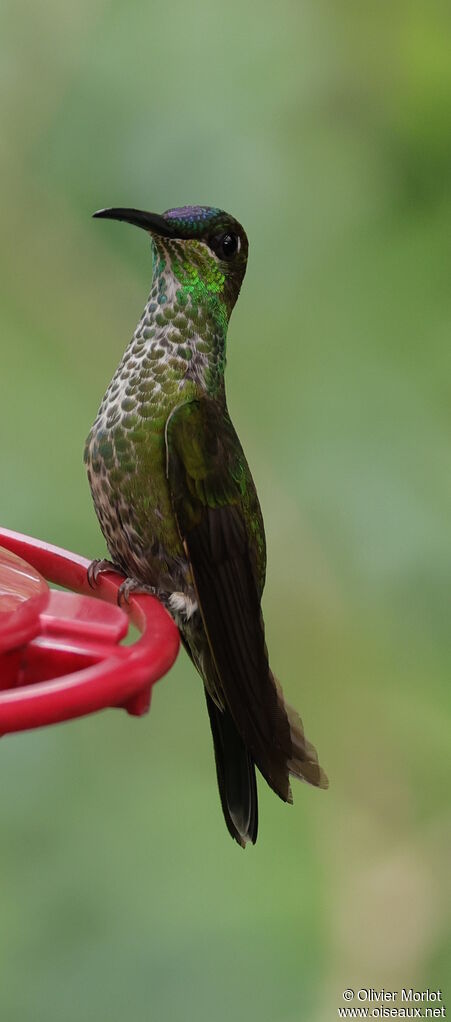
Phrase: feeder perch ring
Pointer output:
(60, 652)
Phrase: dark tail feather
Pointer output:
(236, 776)
(302, 758)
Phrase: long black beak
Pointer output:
(152, 222)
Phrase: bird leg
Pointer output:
(133, 585)
(130, 585)
(99, 567)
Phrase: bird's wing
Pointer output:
(220, 524)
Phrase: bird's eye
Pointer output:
(225, 245)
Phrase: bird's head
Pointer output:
(203, 248)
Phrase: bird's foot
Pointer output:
(99, 567)
(132, 585)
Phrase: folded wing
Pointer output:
(220, 523)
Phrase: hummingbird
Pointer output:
(178, 507)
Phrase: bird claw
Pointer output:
(132, 585)
(99, 567)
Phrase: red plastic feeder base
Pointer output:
(60, 652)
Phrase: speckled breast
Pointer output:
(126, 462)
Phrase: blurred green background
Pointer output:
(326, 129)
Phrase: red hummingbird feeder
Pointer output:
(60, 651)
